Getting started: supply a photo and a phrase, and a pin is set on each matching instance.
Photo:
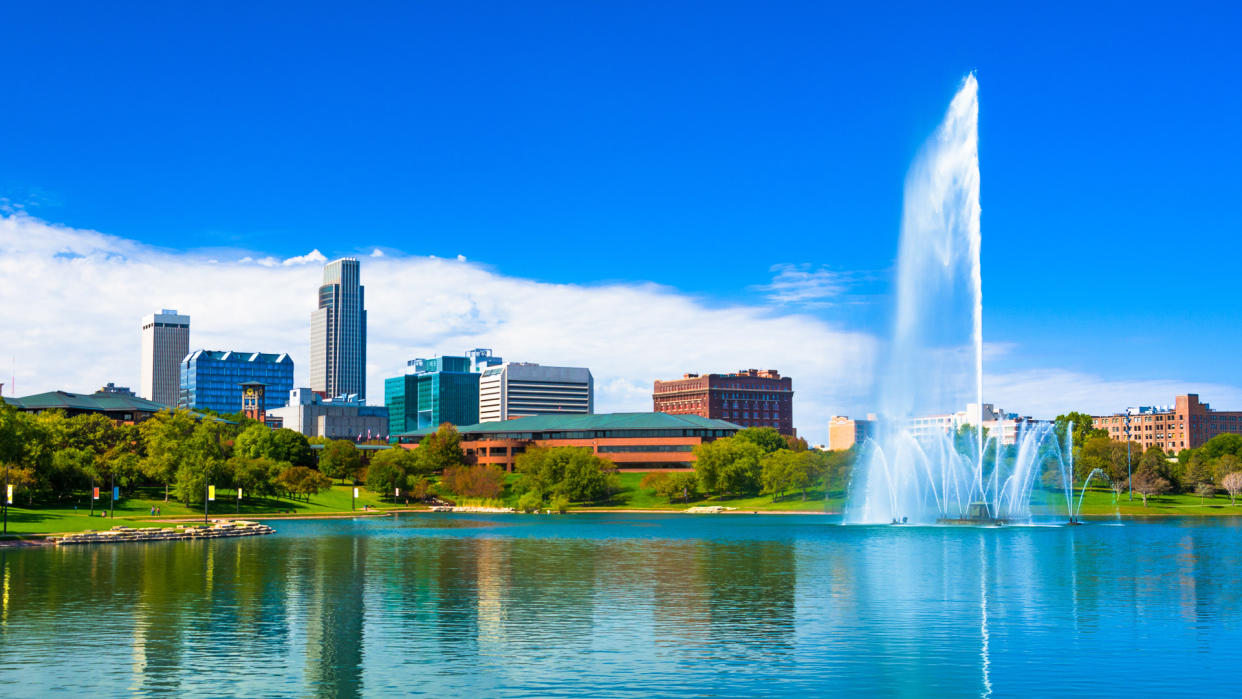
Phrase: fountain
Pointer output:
(935, 361)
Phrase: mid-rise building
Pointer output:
(1005, 426)
(749, 397)
(1186, 424)
(338, 352)
(121, 407)
(211, 380)
(434, 391)
(844, 432)
(165, 342)
(111, 387)
(635, 441)
(337, 418)
(524, 389)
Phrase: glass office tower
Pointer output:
(338, 349)
(212, 380)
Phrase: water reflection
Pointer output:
(625, 605)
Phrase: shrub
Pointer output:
(479, 481)
(530, 501)
(559, 504)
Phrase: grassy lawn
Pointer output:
(1100, 501)
(135, 511)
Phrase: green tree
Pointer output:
(776, 472)
(729, 466)
(1198, 470)
(559, 504)
(388, 471)
(255, 475)
(531, 501)
(766, 438)
(11, 434)
(1222, 444)
(340, 459)
(683, 484)
(441, 450)
(1084, 428)
(201, 464)
(574, 472)
(165, 435)
(302, 481)
(1155, 461)
(1225, 465)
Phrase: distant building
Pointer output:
(750, 398)
(1186, 424)
(1003, 425)
(315, 416)
(844, 432)
(211, 380)
(116, 406)
(636, 441)
(113, 388)
(338, 351)
(165, 342)
(436, 390)
(524, 389)
(482, 358)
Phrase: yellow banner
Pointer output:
(355, 492)
(211, 493)
(239, 493)
(9, 495)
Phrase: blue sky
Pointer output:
(692, 145)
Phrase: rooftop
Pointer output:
(97, 402)
(605, 421)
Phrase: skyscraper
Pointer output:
(165, 342)
(522, 389)
(213, 380)
(339, 333)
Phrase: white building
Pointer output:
(1003, 425)
(165, 342)
(523, 389)
(335, 419)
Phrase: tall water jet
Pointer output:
(935, 359)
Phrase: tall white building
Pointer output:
(338, 351)
(522, 389)
(165, 342)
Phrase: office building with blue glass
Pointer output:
(437, 390)
(211, 380)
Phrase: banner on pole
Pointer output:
(211, 493)
(355, 492)
(8, 497)
(398, 492)
(95, 493)
(116, 492)
(239, 493)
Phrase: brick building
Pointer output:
(750, 398)
(633, 441)
(1185, 425)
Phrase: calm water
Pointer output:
(590, 605)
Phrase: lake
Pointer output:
(632, 605)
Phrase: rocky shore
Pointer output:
(218, 529)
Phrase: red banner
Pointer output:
(95, 495)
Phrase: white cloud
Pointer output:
(802, 284)
(1046, 393)
(72, 299)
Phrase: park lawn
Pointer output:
(135, 511)
(1101, 502)
(634, 497)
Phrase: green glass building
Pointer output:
(440, 389)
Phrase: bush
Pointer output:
(479, 481)
(530, 501)
(559, 504)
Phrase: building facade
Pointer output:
(165, 342)
(212, 379)
(525, 389)
(750, 398)
(314, 416)
(437, 390)
(844, 433)
(1005, 426)
(1186, 424)
(338, 351)
(481, 358)
(633, 441)
(111, 387)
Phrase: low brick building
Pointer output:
(633, 441)
(749, 397)
(1186, 424)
